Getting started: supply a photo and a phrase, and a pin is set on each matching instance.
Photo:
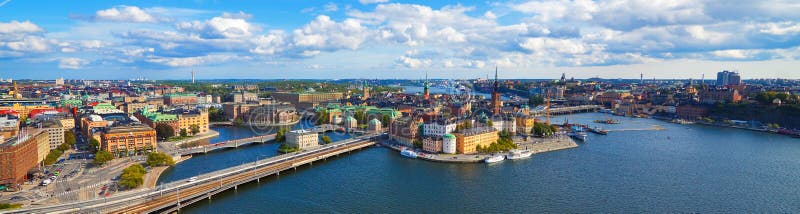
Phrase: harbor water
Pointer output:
(642, 165)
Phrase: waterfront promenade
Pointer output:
(536, 145)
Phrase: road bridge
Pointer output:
(175, 195)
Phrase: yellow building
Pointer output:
(128, 140)
(467, 140)
(200, 118)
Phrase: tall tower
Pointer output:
(366, 90)
(427, 93)
(496, 95)
(641, 78)
(192, 76)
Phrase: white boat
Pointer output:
(408, 153)
(578, 135)
(518, 154)
(495, 158)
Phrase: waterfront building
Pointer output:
(307, 100)
(178, 119)
(374, 126)
(468, 140)
(692, 112)
(439, 127)
(525, 124)
(714, 95)
(302, 139)
(174, 99)
(17, 157)
(404, 130)
(432, 144)
(449, 144)
(128, 139)
(243, 97)
(275, 113)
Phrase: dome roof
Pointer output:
(350, 118)
(374, 121)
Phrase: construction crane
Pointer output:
(547, 114)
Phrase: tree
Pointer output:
(63, 147)
(159, 159)
(216, 115)
(69, 138)
(285, 148)
(194, 129)
(326, 139)
(183, 133)
(490, 123)
(417, 144)
(132, 176)
(102, 156)
(164, 131)
(467, 124)
(280, 136)
(52, 157)
(385, 120)
(94, 145)
(535, 100)
(361, 116)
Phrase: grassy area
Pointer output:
(178, 138)
(9, 206)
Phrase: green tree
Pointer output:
(535, 100)
(467, 124)
(385, 119)
(285, 148)
(159, 159)
(52, 157)
(69, 138)
(417, 144)
(164, 131)
(326, 139)
(132, 176)
(94, 145)
(183, 133)
(194, 129)
(361, 116)
(102, 156)
(280, 136)
(63, 147)
(490, 123)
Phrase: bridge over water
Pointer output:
(567, 110)
(174, 195)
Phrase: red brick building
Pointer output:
(16, 159)
(691, 111)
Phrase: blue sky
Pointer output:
(398, 39)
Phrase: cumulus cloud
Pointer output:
(16, 27)
(124, 14)
(72, 63)
(219, 27)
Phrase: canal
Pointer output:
(680, 168)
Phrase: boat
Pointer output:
(495, 158)
(408, 153)
(608, 121)
(598, 130)
(578, 133)
(518, 154)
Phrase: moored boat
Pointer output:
(519, 154)
(495, 158)
(408, 153)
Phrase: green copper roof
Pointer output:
(103, 106)
(449, 136)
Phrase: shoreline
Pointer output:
(151, 178)
(548, 145)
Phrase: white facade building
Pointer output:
(438, 129)
(302, 139)
(449, 144)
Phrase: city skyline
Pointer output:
(381, 39)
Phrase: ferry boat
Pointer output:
(578, 133)
(519, 154)
(598, 130)
(494, 159)
(408, 153)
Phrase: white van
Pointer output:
(46, 182)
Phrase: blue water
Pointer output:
(684, 168)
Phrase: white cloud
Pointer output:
(72, 63)
(219, 27)
(191, 61)
(410, 62)
(16, 27)
(782, 28)
(125, 14)
(331, 7)
(325, 34)
(490, 15)
(372, 1)
(239, 15)
(734, 54)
